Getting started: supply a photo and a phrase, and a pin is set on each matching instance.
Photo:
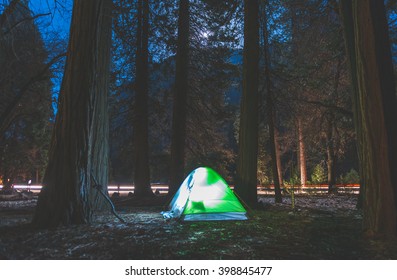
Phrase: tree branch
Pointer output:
(6, 116)
(328, 106)
(22, 21)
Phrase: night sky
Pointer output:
(58, 20)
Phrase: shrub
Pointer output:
(319, 175)
(351, 177)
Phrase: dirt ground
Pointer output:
(320, 227)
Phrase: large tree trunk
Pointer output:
(331, 135)
(141, 130)
(276, 162)
(302, 154)
(271, 112)
(178, 141)
(301, 149)
(81, 122)
(37, 180)
(100, 139)
(278, 155)
(331, 159)
(346, 12)
(376, 102)
(246, 181)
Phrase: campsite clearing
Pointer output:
(321, 227)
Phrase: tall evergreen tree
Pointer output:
(246, 180)
(374, 99)
(25, 95)
(141, 129)
(270, 108)
(178, 138)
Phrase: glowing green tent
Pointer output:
(205, 196)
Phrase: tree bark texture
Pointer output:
(302, 154)
(331, 135)
(79, 142)
(278, 155)
(141, 123)
(376, 102)
(271, 112)
(246, 181)
(346, 12)
(178, 138)
(331, 159)
(100, 145)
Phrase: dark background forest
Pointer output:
(269, 93)
(215, 89)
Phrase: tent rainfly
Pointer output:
(205, 196)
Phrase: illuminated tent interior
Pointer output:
(205, 196)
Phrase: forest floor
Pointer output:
(320, 227)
